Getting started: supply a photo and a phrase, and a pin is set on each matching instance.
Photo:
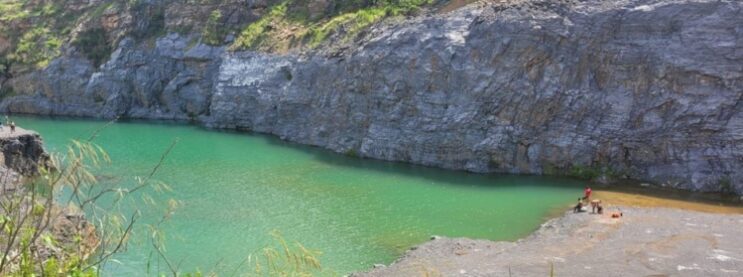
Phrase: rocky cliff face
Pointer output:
(644, 89)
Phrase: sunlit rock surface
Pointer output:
(643, 89)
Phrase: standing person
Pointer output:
(12, 127)
(596, 206)
(587, 193)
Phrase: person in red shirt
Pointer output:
(587, 193)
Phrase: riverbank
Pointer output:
(645, 241)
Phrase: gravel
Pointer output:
(644, 242)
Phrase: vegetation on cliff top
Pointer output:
(94, 44)
(289, 24)
(32, 32)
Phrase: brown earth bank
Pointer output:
(670, 198)
(650, 239)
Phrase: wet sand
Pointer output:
(618, 198)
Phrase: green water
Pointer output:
(236, 188)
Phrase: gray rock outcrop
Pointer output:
(21, 152)
(642, 89)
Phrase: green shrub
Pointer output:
(725, 185)
(212, 33)
(352, 153)
(356, 21)
(4, 65)
(37, 47)
(94, 45)
(253, 33)
(550, 169)
(12, 10)
(351, 17)
(593, 172)
(99, 10)
(35, 30)
(155, 26)
(584, 172)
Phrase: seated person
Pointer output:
(578, 207)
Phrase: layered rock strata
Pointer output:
(641, 89)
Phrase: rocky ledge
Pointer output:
(644, 242)
(22, 155)
(22, 151)
(642, 89)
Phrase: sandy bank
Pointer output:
(645, 242)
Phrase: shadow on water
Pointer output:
(493, 180)
(329, 157)
(433, 174)
(438, 175)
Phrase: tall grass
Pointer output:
(212, 34)
(38, 47)
(351, 19)
(251, 35)
(284, 259)
(355, 21)
(13, 10)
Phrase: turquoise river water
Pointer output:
(236, 188)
